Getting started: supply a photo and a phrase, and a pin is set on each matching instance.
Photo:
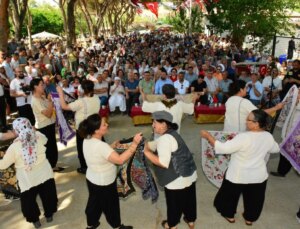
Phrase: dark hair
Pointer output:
(35, 82)
(88, 126)
(88, 87)
(236, 86)
(146, 72)
(264, 120)
(170, 125)
(163, 70)
(169, 91)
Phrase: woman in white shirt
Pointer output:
(33, 171)
(43, 108)
(247, 171)
(101, 159)
(238, 108)
(83, 107)
(175, 171)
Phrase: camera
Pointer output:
(25, 88)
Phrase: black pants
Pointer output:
(284, 166)
(47, 193)
(103, 199)
(51, 146)
(227, 199)
(26, 112)
(181, 201)
(2, 112)
(79, 143)
(133, 98)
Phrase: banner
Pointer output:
(65, 131)
(290, 102)
(215, 165)
(290, 147)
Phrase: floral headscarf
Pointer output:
(27, 136)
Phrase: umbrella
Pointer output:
(44, 35)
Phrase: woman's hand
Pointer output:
(279, 106)
(204, 134)
(59, 90)
(137, 138)
(115, 144)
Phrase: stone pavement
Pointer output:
(281, 205)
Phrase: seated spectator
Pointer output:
(173, 75)
(218, 73)
(272, 88)
(132, 91)
(68, 89)
(181, 85)
(76, 84)
(224, 88)
(92, 76)
(101, 90)
(146, 86)
(190, 76)
(199, 86)
(245, 77)
(162, 81)
(232, 71)
(106, 77)
(212, 84)
(255, 90)
(117, 96)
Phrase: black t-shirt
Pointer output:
(293, 74)
(198, 87)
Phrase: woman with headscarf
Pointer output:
(102, 159)
(33, 171)
(175, 170)
(83, 107)
(247, 171)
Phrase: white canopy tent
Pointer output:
(45, 35)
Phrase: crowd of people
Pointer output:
(120, 72)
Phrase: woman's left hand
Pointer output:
(204, 134)
(137, 138)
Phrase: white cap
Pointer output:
(117, 78)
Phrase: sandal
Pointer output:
(164, 224)
(230, 220)
(190, 224)
(248, 223)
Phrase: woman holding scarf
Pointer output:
(33, 171)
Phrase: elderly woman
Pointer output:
(238, 108)
(33, 171)
(101, 159)
(175, 170)
(247, 171)
(117, 96)
(83, 107)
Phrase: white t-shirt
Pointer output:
(277, 82)
(38, 105)
(248, 153)
(33, 73)
(15, 85)
(84, 107)
(177, 110)
(41, 171)
(165, 145)
(212, 84)
(181, 87)
(237, 111)
(96, 153)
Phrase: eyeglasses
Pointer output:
(249, 120)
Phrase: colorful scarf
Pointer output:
(169, 103)
(124, 183)
(27, 137)
(65, 131)
(141, 174)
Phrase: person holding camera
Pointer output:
(255, 90)
(19, 88)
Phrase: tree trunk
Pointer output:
(18, 15)
(87, 16)
(61, 5)
(29, 26)
(4, 26)
(71, 36)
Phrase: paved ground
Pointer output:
(282, 196)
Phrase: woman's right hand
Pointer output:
(59, 90)
(137, 138)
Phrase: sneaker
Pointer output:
(298, 217)
(37, 224)
(276, 174)
(125, 227)
(49, 219)
(58, 169)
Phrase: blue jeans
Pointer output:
(103, 100)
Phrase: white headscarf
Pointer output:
(27, 136)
